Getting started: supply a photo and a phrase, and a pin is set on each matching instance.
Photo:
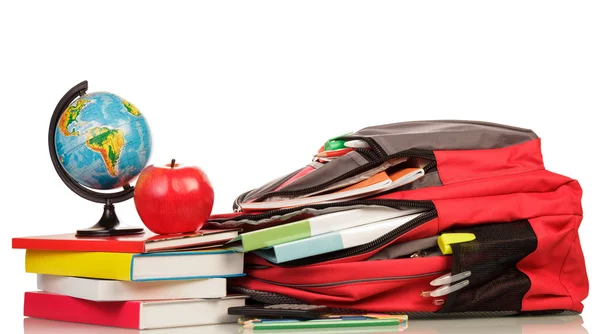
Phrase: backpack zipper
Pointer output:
(385, 202)
(354, 281)
(367, 154)
(373, 145)
(357, 250)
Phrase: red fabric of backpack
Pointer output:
(481, 178)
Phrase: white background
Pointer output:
(249, 90)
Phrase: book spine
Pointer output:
(80, 245)
(320, 244)
(70, 286)
(64, 308)
(276, 235)
(83, 264)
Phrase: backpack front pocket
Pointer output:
(500, 277)
(376, 286)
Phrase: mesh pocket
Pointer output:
(495, 284)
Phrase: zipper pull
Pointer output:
(425, 253)
(438, 302)
(418, 254)
(237, 207)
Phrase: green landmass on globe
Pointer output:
(102, 141)
(69, 116)
(107, 142)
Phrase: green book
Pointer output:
(326, 223)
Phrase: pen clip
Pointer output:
(449, 278)
(445, 289)
(448, 289)
(444, 284)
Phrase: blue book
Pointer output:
(332, 241)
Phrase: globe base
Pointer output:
(108, 225)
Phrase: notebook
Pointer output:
(360, 177)
(132, 314)
(332, 241)
(322, 224)
(377, 183)
(137, 267)
(140, 243)
(113, 290)
(402, 177)
(392, 168)
(372, 184)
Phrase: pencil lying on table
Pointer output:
(322, 323)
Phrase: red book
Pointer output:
(132, 314)
(140, 243)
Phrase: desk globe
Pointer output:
(99, 142)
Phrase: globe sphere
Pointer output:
(102, 141)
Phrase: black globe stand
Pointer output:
(109, 224)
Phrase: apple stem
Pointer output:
(172, 163)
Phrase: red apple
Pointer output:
(173, 198)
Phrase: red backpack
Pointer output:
(481, 178)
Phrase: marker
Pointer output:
(446, 240)
(334, 143)
(357, 144)
(335, 153)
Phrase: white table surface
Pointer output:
(526, 325)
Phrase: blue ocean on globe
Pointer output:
(102, 141)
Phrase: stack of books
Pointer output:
(144, 281)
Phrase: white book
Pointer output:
(43, 326)
(114, 290)
(322, 224)
(332, 241)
